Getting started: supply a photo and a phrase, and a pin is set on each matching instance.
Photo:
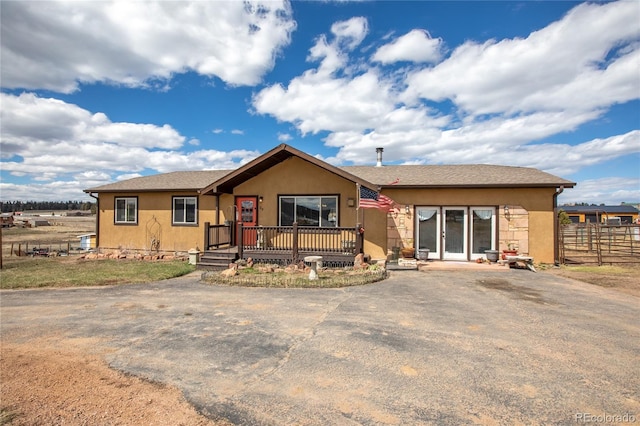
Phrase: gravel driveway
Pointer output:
(437, 347)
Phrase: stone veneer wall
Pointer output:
(399, 229)
(514, 229)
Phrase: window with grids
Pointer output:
(126, 210)
(185, 210)
(308, 211)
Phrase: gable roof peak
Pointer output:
(271, 158)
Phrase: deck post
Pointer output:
(294, 243)
(241, 242)
(359, 238)
(206, 235)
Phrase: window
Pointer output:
(185, 210)
(308, 211)
(126, 210)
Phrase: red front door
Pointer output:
(247, 208)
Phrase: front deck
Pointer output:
(282, 245)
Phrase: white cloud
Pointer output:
(46, 139)
(415, 46)
(505, 96)
(29, 120)
(55, 45)
(127, 176)
(237, 132)
(284, 137)
(51, 191)
(610, 191)
(587, 60)
(349, 34)
(316, 103)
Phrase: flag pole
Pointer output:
(359, 223)
(357, 202)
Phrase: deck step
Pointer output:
(216, 260)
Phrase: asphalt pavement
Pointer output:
(434, 347)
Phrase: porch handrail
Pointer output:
(216, 236)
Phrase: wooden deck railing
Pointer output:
(216, 236)
(286, 243)
(299, 241)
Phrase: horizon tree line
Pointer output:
(21, 206)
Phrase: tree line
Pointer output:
(24, 206)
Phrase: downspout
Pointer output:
(97, 219)
(556, 248)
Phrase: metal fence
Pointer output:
(599, 243)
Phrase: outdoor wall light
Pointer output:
(407, 209)
(506, 212)
(260, 199)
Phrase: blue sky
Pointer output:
(94, 92)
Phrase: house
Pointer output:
(456, 212)
(613, 215)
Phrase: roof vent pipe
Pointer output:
(379, 152)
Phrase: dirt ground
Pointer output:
(61, 234)
(45, 382)
(627, 282)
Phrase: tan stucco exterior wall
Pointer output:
(530, 226)
(294, 177)
(154, 221)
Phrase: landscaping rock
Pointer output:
(231, 272)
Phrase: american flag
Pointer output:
(370, 199)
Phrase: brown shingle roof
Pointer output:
(468, 175)
(190, 181)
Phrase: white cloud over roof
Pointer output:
(52, 45)
(47, 138)
(504, 95)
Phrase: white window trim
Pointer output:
(173, 210)
(115, 211)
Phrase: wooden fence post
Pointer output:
(359, 238)
(598, 243)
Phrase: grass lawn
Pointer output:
(70, 272)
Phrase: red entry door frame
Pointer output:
(247, 214)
